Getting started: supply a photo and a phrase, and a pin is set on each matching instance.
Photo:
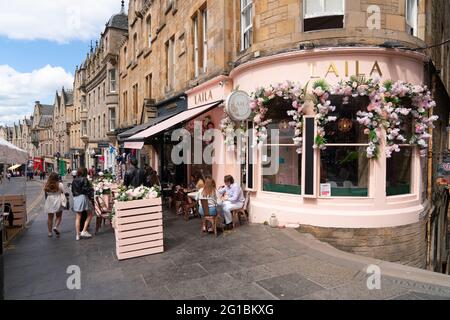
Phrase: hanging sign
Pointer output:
(237, 105)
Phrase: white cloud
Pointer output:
(60, 21)
(18, 91)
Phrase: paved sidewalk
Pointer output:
(252, 262)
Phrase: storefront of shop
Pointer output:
(335, 143)
(204, 107)
(338, 169)
(359, 194)
(49, 164)
(154, 149)
(38, 164)
(92, 155)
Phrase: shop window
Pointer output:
(411, 16)
(282, 165)
(398, 172)
(344, 167)
(323, 14)
(346, 128)
(246, 24)
(287, 179)
(398, 166)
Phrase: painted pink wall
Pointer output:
(375, 211)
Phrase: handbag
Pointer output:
(63, 200)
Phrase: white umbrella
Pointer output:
(9, 154)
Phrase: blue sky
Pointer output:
(41, 42)
(26, 55)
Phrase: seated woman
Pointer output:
(200, 182)
(209, 192)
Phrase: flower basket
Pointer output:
(138, 228)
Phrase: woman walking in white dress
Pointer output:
(82, 191)
(53, 203)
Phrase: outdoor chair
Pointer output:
(102, 211)
(188, 206)
(207, 218)
(243, 212)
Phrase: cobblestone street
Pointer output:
(251, 262)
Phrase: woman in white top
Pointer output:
(53, 204)
(209, 192)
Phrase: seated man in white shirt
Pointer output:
(233, 198)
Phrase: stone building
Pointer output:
(199, 51)
(42, 137)
(438, 47)
(77, 128)
(61, 141)
(171, 46)
(99, 94)
(17, 135)
(26, 127)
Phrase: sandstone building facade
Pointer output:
(97, 83)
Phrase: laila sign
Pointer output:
(346, 69)
(237, 106)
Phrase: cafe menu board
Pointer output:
(325, 190)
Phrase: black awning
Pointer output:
(124, 135)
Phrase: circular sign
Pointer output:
(237, 106)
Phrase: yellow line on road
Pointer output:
(35, 203)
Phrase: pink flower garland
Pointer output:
(385, 110)
(260, 100)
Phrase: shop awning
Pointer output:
(171, 122)
(124, 135)
(133, 145)
(14, 167)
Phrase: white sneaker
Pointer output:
(86, 234)
(77, 238)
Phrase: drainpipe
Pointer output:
(430, 172)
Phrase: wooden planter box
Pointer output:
(138, 227)
(18, 205)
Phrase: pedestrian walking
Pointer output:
(134, 177)
(8, 175)
(82, 192)
(54, 203)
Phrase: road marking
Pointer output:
(35, 203)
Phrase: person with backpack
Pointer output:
(82, 192)
(134, 177)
